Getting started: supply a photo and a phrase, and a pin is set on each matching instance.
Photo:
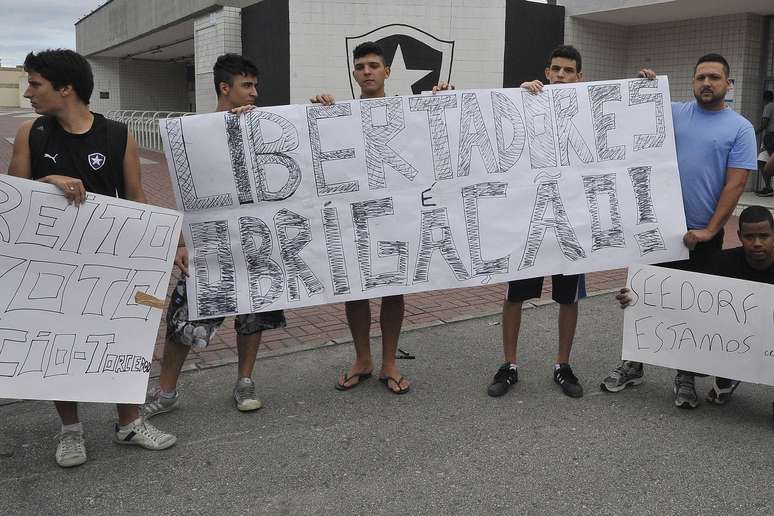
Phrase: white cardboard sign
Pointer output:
(701, 323)
(70, 328)
(292, 206)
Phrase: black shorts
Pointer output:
(768, 142)
(700, 259)
(565, 290)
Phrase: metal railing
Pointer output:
(144, 125)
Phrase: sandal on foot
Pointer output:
(386, 381)
(342, 386)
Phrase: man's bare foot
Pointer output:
(357, 372)
(392, 378)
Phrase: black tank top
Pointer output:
(90, 157)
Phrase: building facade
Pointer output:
(157, 55)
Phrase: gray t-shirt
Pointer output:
(768, 112)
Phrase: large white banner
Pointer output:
(293, 206)
(700, 323)
(70, 328)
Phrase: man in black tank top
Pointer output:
(79, 152)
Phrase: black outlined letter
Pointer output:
(314, 113)
(548, 194)
(594, 186)
(475, 136)
(290, 248)
(436, 222)
(213, 267)
(470, 195)
(647, 141)
(377, 139)
(603, 123)
(259, 262)
(565, 108)
(439, 134)
(361, 212)
(507, 154)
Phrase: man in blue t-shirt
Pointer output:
(715, 149)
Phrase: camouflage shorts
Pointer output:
(197, 334)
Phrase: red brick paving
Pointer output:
(320, 324)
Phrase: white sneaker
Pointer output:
(245, 397)
(142, 433)
(71, 449)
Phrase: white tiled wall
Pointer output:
(614, 51)
(215, 34)
(672, 49)
(318, 55)
(603, 48)
(106, 78)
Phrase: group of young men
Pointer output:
(715, 149)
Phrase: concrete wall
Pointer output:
(153, 86)
(215, 34)
(11, 80)
(318, 60)
(139, 85)
(119, 21)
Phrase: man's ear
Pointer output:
(546, 74)
(224, 88)
(580, 76)
(66, 91)
(386, 71)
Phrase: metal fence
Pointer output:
(145, 125)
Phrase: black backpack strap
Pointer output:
(39, 132)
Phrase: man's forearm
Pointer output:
(729, 197)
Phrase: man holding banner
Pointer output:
(236, 79)
(79, 152)
(370, 72)
(564, 67)
(715, 149)
(752, 261)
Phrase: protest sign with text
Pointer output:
(70, 327)
(292, 206)
(701, 323)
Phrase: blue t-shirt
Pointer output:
(708, 143)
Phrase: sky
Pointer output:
(28, 25)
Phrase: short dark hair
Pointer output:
(368, 47)
(714, 58)
(62, 67)
(229, 65)
(567, 52)
(768, 96)
(755, 214)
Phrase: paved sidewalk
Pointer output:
(443, 448)
(316, 326)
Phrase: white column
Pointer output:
(215, 34)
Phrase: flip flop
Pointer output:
(386, 382)
(360, 377)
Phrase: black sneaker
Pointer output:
(503, 379)
(765, 192)
(568, 381)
